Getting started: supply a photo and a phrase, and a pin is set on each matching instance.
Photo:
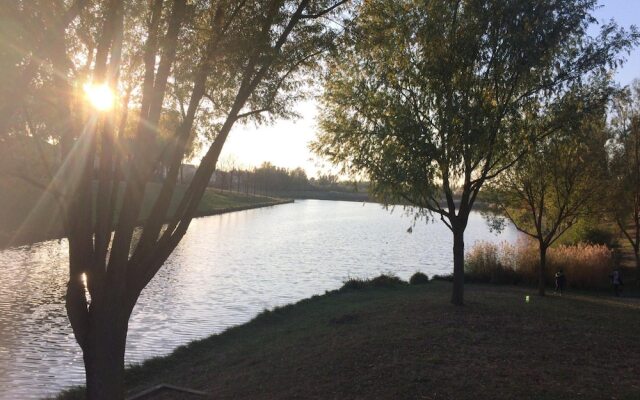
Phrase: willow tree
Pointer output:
(216, 62)
(428, 98)
(558, 181)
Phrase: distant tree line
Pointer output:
(268, 179)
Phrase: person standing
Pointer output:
(561, 280)
(616, 280)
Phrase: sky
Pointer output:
(285, 143)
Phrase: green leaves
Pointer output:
(431, 98)
(559, 179)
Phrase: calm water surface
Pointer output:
(227, 269)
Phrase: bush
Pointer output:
(591, 232)
(599, 236)
(382, 281)
(354, 284)
(418, 279)
(445, 278)
(386, 281)
(585, 265)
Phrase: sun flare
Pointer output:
(101, 97)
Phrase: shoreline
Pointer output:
(8, 244)
(226, 210)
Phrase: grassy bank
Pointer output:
(409, 342)
(27, 216)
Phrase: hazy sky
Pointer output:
(285, 143)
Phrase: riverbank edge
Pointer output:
(218, 211)
(207, 213)
(289, 332)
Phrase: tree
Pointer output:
(229, 60)
(428, 98)
(29, 26)
(623, 202)
(552, 186)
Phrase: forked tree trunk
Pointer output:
(542, 268)
(457, 296)
(115, 279)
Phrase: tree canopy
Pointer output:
(623, 190)
(430, 99)
(556, 183)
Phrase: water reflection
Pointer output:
(226, 270)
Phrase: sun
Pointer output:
(101, 97)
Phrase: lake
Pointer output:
(227, 269)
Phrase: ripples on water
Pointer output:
(227, 269)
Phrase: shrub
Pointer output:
(382, 281)
(600, 236)
(386, 281)
(418, 279)
(354, 284)
(585, 265)
(590, 232)
(445, 278)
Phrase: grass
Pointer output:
(409, 342)
(28, 216)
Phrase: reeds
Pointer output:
(584, 265)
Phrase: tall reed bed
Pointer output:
(585, 265)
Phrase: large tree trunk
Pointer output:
(104, 354)
(542, 270)
(457, 296)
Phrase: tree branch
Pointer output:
(323, 12)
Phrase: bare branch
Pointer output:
(323, 12)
